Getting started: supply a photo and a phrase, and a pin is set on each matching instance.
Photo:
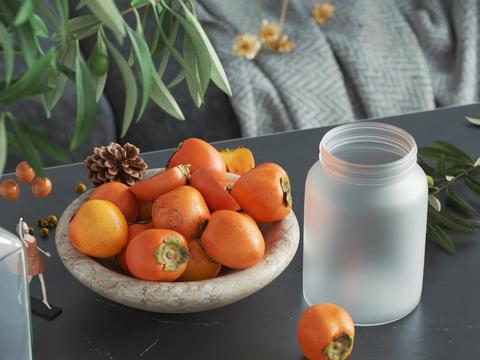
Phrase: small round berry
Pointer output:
(9, 190)
(41, 187)
(80, 188)
(43, 232)
(24, 172)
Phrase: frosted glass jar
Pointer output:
(365, 223)
(15, 325)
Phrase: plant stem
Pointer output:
(283, 13)
(459, 176)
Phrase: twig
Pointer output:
(283, 13)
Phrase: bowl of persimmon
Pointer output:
(207, 230)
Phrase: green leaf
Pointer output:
(131, 93)
(108, 13)
(477, 162)
(177, 79)
(3, 142)
(58, 79)
(145, 65)
(473, 184)
(166, 52)
(430, 181)
(81, 27)
(26, 146)
(45, 145)
(434, 202)
(24, 13)
(136, 3)
(217, 72)
(440, 167)
(65, 70)
(99, 81)
(63, 11)
(163, 98)
(8, 53)
(472, 120)
(193, 81)
(28, 42)
(449, 178)
(453, 150)
(441, 237)
(426, 168)
(39, 27)
(434, 153)
(451, 221)
(459, 201)
(86, 103)
(456, 170)
(13, 146)
(200, 62)
(47, 14)
(31, 81)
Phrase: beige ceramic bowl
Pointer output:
(179, 297)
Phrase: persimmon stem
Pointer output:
(339, 348)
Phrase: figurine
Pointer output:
(36, 265)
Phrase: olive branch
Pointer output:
(27, 25)
(449, 166)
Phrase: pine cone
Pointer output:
(115, 163)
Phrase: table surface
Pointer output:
(446, 324)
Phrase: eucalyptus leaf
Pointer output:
(46, 145)
(8, 53)
(3, 142)
(441, 237)
(453, 150)
(473, 184)
(217, 72)
(86, 102)
(472, 120)
(24, 13)
(131, 92)
(163, 98)
(27, 148)
(451, 221)
(108, 13)
(434, 202)
(145, 65)
(459, 201)
(31, 81)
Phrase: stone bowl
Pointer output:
(105, 279)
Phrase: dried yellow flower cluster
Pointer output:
(271, 35)
(322, 12)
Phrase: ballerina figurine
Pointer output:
(36, 265)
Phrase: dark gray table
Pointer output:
(446, 324)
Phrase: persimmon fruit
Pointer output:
(200, 266)
(233, 239)
(157, 255)
(182, 209)
(9, 190)
(24, 172)
(199, 153)
(216, 196)
(326, 332)
(133, 230)
(41, 187)
(119, 194)
(239, 160)
(264, 193)
(165, 181)
(98, 229)
(144, 210)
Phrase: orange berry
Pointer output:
(41, 187)
(9, 190)
(24, 172)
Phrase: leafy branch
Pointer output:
(449, 166)
(24, 30)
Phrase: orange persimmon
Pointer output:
(239, 160)
(144, 210)
(117, 193)
(157, 255)
(264, 193)
(325, 332)
(216, 197)
(183, 209)
(133, 230)
(151, 188)
(199, 266)
(199, 153)
(233, 239)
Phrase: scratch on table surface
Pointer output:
(473, 326)
(148, 348)
(101, 353)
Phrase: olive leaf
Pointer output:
(437, 154)
(440, 237)
(62, 7)
(99, 81)
(473, 184)
(477, 163)
(108, 13)
(453, 150)
(81, 27)
(472, 120)
(450, 221)
(434, 202)
(8, 54)
(45, 145)
(39, 27)
(426, 168)
(24, 13)
(59, 79)
(459, 201)
(163, 98)
(3, 142)
(440, 167)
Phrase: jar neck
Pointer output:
(368, 153)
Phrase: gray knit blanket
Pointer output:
(373, 58)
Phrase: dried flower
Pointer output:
(283, 45)
(246, 45)
(322, 12)
(269, 32)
